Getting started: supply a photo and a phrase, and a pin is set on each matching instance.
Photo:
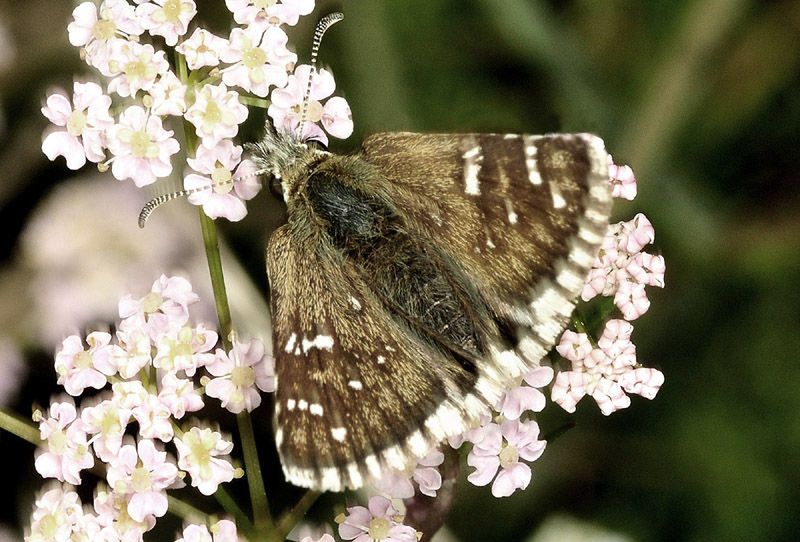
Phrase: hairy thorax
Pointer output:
(412, 277)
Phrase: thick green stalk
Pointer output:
(258, 493)
(20, 427)
(292, 517)
(185, 510)
(243, 524)
(261, 514)
(217, 278)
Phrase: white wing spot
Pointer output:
(339, 433)
(354, 303)
(530, 159)
(512, 216)
(489, 242)
(356, 384)
(472, 168)
(315, 409)
(323, 342)
(290, 343)
(302, 404)
(381, 360)
(290, 404)
(558, 198)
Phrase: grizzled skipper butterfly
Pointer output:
(414, 281)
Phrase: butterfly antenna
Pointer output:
(151, 205)
(322, 26)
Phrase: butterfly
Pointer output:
(414, 281)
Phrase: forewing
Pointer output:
(523, 216)
(356, 391)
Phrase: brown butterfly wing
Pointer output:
(523, 216)
(356, 391)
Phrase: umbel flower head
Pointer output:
(149, 97)
(143, 382)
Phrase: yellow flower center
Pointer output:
(141, 480)
(49, 525)
(314, 111)
(82, 360)
(254, 57)
(152, 301)
(212, 115)
(200, 455)
(172, 10)
(110, 425)
(379, 528)
(264, 4)
(57, 442)
(509, 455)
(76, 122)
(243, 376)
(221, 178)
(134, 69)
(104, 30)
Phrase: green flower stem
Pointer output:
(243, 523)
(293, 516)
(261, 514)
(258, 493)
(254, 101)
(217, 278)
(20, 427)
(577, 321)
(185, 510)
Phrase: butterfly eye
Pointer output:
(275, 188)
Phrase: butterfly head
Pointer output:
(285, 158)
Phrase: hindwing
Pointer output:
(357, 390)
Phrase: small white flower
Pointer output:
(216, 114)
(56, 515)
(213, 186)
(262, 15)
(168, 96)
(203, 453)
(141, 147)
(238, 374)
(168, 18)
(107, 422)
(85, 125)
(259, 61)
(202, 49)
(80, 368)
(98, 30)
(67, 451)
(134, 67)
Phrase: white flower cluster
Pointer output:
(198, 88)
(145, 374)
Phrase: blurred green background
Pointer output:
(700, 97)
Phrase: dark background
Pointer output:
(700, 97)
